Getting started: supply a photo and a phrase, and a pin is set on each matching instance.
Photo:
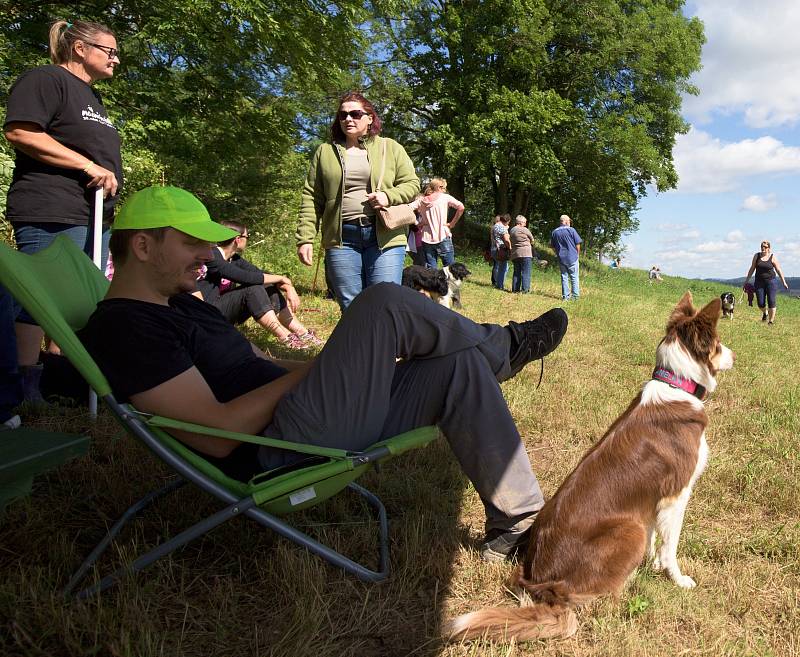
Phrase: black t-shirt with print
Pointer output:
(72, 113)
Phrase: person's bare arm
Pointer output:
(187, 397)
(459, 211)
(507, 240)
(36, 143)
(752, 268)
(779, 272)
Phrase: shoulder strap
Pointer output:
(383, 164)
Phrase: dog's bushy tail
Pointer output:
(538, 621)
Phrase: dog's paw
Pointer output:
(655, 564)
(685, 582)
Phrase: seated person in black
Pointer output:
(170, 354)
(240, 290)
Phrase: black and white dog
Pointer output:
(441, 285)
(728, 302)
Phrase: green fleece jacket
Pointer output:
(321, 204)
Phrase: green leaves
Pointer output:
(207, 95)
(554, 106)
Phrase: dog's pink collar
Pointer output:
(677, 381)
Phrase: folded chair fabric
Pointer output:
(60, 288)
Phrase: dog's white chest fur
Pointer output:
(669, 522)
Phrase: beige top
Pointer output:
(521, 242)
(356, 185)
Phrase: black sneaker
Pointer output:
(764, 317)
(500, 544)
(536, 338)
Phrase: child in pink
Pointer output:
(433, 208)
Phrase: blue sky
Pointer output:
(739, 165)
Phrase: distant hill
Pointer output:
(793, 281)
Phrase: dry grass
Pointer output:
(241, 591)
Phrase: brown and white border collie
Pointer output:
(590, 537)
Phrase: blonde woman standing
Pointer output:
(767, 270)
(437, 238)
(65, 147)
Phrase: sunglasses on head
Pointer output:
(355, 114)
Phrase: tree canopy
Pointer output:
(547, 106)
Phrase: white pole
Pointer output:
(97, 254)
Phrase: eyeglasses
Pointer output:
(244, 236)
(108, 50)
(765, 246)
(357, 115)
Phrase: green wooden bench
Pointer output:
(25, 453)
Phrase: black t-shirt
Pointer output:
(139, 345)
(72, 113)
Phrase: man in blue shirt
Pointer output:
(567, 244)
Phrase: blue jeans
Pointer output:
(521, 279)
(34, 237)
(10, 382)
(569, 278)
(359, 263)
(499, 272)
(443, 250)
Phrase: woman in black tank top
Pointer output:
(767, 270)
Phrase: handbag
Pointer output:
(501, 253)
(395, 216)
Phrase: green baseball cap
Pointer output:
(159, 206)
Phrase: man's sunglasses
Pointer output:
(355, 114)
(108, 50)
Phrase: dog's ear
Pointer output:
(710, 312)
(682, 311)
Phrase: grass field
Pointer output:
(241, 591)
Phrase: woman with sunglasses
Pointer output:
(767, 270)
(340, 199)
(65, 147)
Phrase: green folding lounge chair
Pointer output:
(60, 288)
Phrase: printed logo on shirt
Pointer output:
(90, 114)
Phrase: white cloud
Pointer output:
(679, 254)
(669, 228)
(749, 62)
(716, 247)
(735, 236)
(756, 203)
(708, 165)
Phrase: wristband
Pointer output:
(88, 166)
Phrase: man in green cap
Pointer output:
(170, 354)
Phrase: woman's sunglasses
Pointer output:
(356, 115)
